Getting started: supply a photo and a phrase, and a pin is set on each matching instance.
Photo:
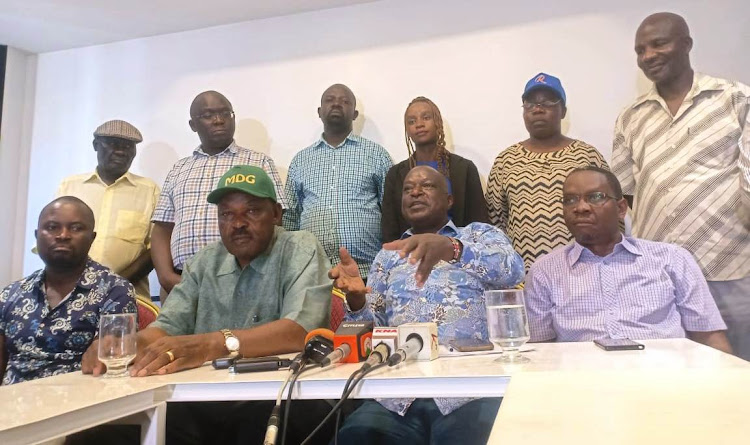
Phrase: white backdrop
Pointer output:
(472, 57)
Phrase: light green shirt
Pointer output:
(289, 280)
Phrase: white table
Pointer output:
(694, 406)
(56, 406)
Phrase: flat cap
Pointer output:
(119, 129)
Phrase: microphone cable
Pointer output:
(284, 418)
(273, 421)
(338, 413)
(345, 395)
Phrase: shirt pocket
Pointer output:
(132, 226)
(715, 153)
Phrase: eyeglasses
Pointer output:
(546, 104)
(594, 199)
(211, 115)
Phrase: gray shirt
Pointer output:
(289, 280)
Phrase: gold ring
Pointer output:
(170, 354)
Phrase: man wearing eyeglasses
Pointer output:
(184, 222)
(607, 285)
(527, 177)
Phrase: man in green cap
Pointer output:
(257, 292)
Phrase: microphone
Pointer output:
(353, 343)
(387, 335)
(318, 344)
(379, 354)
(408, 350)
(418, 341)
(337, 355)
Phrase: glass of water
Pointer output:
(117, 343)
(507, 322)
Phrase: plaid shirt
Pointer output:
(336, 193)
(183, 198)
(642, 290)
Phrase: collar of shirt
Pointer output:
(230, 266)
(38, 282)
(232, 148)
(449, 229)
(127, 177)
(577, 251)
(701, 84)
(349, 138)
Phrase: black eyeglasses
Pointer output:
(594, 198)
(545, 104)
(211, 115)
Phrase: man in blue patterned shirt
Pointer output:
(335, 186)
(436, 273)
(49, 319)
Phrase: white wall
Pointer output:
(471, 57)
(15, 142)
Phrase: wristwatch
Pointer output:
(231, 342)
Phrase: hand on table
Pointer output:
(187, 351)
(427, 249)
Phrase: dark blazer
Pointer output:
(468, 198)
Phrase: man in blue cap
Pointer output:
(533, 171)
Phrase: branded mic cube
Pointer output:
(428, 332)
(359, 337)
(387, 335)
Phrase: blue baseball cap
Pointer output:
(543, 80)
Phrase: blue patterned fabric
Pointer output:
(337, 193)
(452, 296)
(41, 341)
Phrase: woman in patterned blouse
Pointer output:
(525, 184)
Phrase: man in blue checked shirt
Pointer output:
(436, 272)
(334, 188)
(607, 285)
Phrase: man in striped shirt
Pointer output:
(184, 222)
(682, 151)
(607, 285)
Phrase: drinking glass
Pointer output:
(507, 323)
(117, 343)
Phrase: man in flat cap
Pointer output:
(122, 203)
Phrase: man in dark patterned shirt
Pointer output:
(50, 318)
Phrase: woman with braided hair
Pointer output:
(425, 143)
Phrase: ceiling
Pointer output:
(41, 26)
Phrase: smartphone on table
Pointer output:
(470, 345)
(618, 344)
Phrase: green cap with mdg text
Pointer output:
(244, 178)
